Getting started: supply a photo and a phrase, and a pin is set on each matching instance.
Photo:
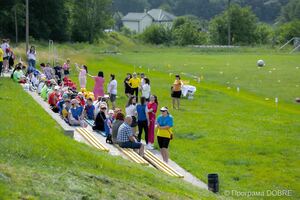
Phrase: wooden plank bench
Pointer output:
(132, 155)
(160, 165)
(91, 139)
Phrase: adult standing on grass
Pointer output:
(99, 83)
(1, 60)
(127, 86)
(143, 121)
(152, 109)
(126, 137)
(135, 84)
(5, 48)
(146, 89)
(66, 67)
(176, 91)
(31, 57)
(112, 90)
(83, 70)
(164, 132)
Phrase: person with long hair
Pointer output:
(152, 109)
(146, 89)
(112, 90)
(66, 67)
(164, 132)
(99, 82)
(127, 86)
(83, 70)
(31, 56)
(131, 111)
(176, 91)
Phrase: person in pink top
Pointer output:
(152, 108)
(99, 83)
(82, 75)
(66, 67)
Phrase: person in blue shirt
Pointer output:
(164, 132)
(76, 114)
(143, 120)
(89, 109)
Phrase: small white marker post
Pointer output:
(238, 89)
(276, 100)
(198, 79)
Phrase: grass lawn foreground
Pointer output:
(38, 162)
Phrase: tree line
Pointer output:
(265, 10)
(245, 26)
(59, 20)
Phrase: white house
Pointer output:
(138, 22)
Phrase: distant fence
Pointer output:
(213, 46)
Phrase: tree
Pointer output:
(187, 30)
(157, 34)
(290, 12)
(263, 34)
(243, 26)
(90, 18)
(289, 30)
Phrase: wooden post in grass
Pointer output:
(27, 25)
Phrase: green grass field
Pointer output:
(252, 143)
(38, 162)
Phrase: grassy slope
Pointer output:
(250, 142)
(38, 162)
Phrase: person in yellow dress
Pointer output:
(176, 91)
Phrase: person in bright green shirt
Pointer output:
(18, 75)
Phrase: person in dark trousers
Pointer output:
(100, 119)
(142, 119)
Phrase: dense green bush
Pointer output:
(157, 34)
(289, 30)
(264, 34)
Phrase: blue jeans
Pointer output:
(130, 145)
(31, 63)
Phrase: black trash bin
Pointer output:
(213, 182)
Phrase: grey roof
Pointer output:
(157, 15)
(161, 15)
(134, 16)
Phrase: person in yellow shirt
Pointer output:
(176, 91)
(1, 61)
(135, 82)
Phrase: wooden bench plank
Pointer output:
(132, 155)
(91, 139)
(156, 162)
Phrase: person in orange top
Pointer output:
(176, 91)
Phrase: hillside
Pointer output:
(38, 162)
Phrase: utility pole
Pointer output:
(16, 25)
(27, 25)
(229, 24)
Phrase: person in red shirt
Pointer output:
(53, 99)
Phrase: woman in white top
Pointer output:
(112, 90)
(131, 110)
(146, 89)
(31, 56)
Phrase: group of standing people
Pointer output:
(7, 57)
